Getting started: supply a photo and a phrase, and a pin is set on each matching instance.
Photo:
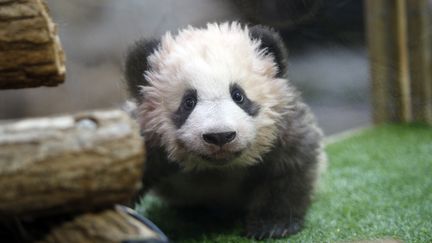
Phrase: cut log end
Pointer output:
(30, 51)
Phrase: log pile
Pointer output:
(61, 167)
(61, 177)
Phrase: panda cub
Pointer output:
(223, 126)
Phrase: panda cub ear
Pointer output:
(137, 64)
(272, 43)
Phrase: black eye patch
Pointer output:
(185, 108)
(240, 98)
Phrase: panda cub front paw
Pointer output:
(266, 230)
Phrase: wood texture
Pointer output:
(69, 164)
(105, 227)
(382, 58)
(420, 46)
(403, 69)
(399, 41)
(30, 50)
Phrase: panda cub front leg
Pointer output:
(278, 205)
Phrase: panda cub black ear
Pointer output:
(272, 43)
(137, 64)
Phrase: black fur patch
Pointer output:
(137, 64)
(273, 44)
(247, 105)
(181, 115)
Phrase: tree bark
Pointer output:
(403, 69)
(420, 45)
(381, 35)
(108, 226)
(69, 164)
(30, 50)
(399, 52)
(388, 58)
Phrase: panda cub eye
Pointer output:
(189, 102)
(237, 95)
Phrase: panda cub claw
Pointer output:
(262, 231)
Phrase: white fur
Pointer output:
(209, 60)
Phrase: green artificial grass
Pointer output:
(378, 186)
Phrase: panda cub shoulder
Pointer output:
(223, 125)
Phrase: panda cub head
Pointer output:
(214, 97)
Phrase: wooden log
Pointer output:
(386, 23)
(117, 226)
(403, 78)
(30, 50)
(69, 163)
(382, 58)
(419, 43)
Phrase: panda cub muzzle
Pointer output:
(219, 142)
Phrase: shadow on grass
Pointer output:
(190, 224)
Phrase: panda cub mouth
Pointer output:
(221, 157)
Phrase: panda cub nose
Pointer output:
(219, 138)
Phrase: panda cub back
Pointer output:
(224, 127)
